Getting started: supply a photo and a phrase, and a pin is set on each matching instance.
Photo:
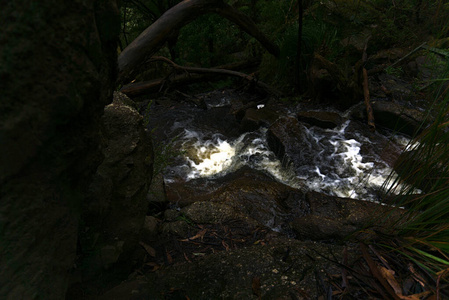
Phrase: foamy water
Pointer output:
(337, 166)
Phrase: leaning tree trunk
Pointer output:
(298, 50)
(154, 37)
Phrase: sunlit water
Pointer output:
(336, 166)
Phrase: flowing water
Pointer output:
(338, 167)
(342, 161)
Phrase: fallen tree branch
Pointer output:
(369, 109)
(140, 88)
(202, 70)
(153, 86)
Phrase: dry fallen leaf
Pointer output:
(416, 276)
(169, 258)
(256, 287)
(150, 250)
(200, 234)
(389, 276)
(225, 245)
(187, 258)
(155, 266)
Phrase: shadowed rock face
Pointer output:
(57, 69)
(116, 206)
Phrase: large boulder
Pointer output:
(255, 118)
(392, 116)
(398, 118)
(57, 70)
(117, 206)
(335, 218)
(289, 140)
(247, 194)
(323, 119)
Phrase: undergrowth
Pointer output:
(421, 234)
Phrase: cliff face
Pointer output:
(57, 72)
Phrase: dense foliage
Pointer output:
(335, 29)
(422, 234)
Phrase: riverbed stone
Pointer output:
(178, 228)
(171, 214)
(150, 227)
(246, 194)
(255, 118)
(397, 117)
(288, 140)
(323, 119)
(334, 218)
(210, 212)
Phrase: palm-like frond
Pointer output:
(423, 231)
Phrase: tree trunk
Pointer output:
(298, 51)
(154, 37)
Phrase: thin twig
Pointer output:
(407, 55)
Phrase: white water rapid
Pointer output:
(337, 167)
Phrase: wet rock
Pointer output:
(239, 107)
(57, 74)
(109, 254)
(246, 194)
(318, 228)
(287, 138)
(255, 118)
(322, 85)
(391, 115)
(156, 198)
(323, 119)
(150, 227)
(386, 150)
(217, 120)
(117, 207)
(396, 87)
(178, 228)
(334, 218)
(225, 97)
(397, 117)
(183, 193)
(171, 214)
(210, 212)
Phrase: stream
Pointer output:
(345, 161)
